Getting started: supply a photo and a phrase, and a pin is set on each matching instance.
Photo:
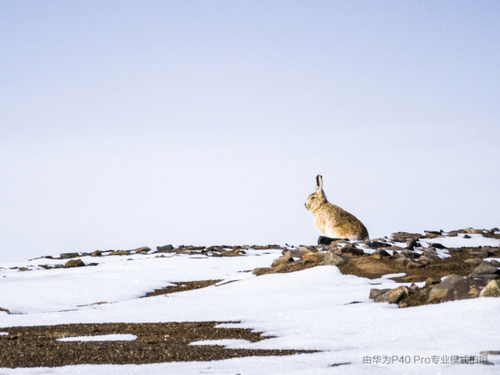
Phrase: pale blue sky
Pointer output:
(130, 123)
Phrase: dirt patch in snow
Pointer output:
(182, 287)
(38, 346)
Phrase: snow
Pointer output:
(311, 309)
(112, 337)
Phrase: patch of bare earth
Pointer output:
(182, 287)
(38, 346)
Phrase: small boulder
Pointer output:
(485, 269)
(68, 255)
(464, 289)
(281, 260)
(492, 289)
(74, 263)
(332, 259)
(96, 253)
(374, 293)
(165, 248)
(439, 290)
(313, 257)
(393, 295)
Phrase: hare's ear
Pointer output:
(319, 186)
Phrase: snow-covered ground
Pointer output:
(311, 309)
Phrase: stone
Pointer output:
(403, 261)
(377, 244)
(261, 271)
(473, 231)
(495, 263)
(322, 240)
(68, 255)
(393, 295)
(74, 263)
(351, 249)
(439, 290)
(404, 236)
(382, 253)
(438, 246)
(433, 233)
(485, 269)
(96, 253)
(464, 289)
(313, 257)
(425, 260)
(374, 293)
(307, 249)
(474, 261)
(142, 250)
(411, 243)
(281, 260)
(492, 289)
(292, 253)
(120, 252)
(332, 259)
(226, 253)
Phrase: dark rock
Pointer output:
(4, 310)
(97, 253)
(68, 255)
(438, 246)
(464, 289)
(467, 236)
(74, 263)
(412, 243)
(322, 240)
(377, 244)
(485, 269)
(332, 259)
(483, 253)
(439, 290)
(351, 249)
(382, 253)
(495, 263)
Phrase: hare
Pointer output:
(332, 221)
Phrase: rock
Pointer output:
(483, 253)
(495, 263)
(382, 253)
(313, 257)
(412, 265)
(377, 244)
(464, 289)
(322, 240)
(142, 250)
(403, 261)
(404, 236)
(473, 231)
(225, 253)
(120, 252)
(332, 259)
(74, 263)
(438, 246)
(433, 233)
(492, 289)
(307, 249)
(425, 260)
(68, 255)
(261, 271)
(474, 261)
(431, 281)
(374, 293)
(393, 295)
(281, 260)
(439, 290)
(96, 253)
(292, 253)
(485, 269)
(351, 249)
(412, 243)
(467, 236)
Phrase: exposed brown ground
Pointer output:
(155, 343)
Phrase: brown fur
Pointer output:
(332, 221)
